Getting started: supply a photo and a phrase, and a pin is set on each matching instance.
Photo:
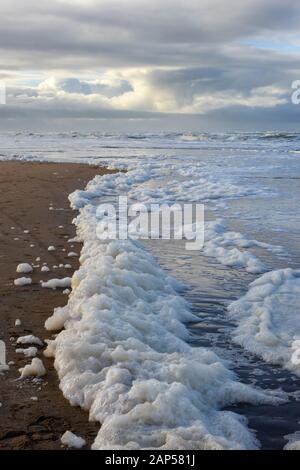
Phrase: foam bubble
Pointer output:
(268, 318)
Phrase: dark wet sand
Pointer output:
(26, 190)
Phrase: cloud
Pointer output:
(108, 86)
(146, 58)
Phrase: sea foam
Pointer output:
(124, 354)
(268, 318)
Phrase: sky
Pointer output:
(149, 65)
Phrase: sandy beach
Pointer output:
(35, 415)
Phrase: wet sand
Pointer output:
(27, 190)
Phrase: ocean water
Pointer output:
(184, 366)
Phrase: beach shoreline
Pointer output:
(35, 214)
(212, 285)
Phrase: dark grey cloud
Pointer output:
(106, 33)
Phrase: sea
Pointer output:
(177, 349)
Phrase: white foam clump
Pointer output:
(29, 339)
(45, 269)
(218, 229)
(35, 369)
(51, 248)
(70, 439)
(24, 268)
(18, 322)
(28, 352)
(224, 246)
(23, 281)
(268, 318)
(124, 357)
(57, 283)
(72, 254)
